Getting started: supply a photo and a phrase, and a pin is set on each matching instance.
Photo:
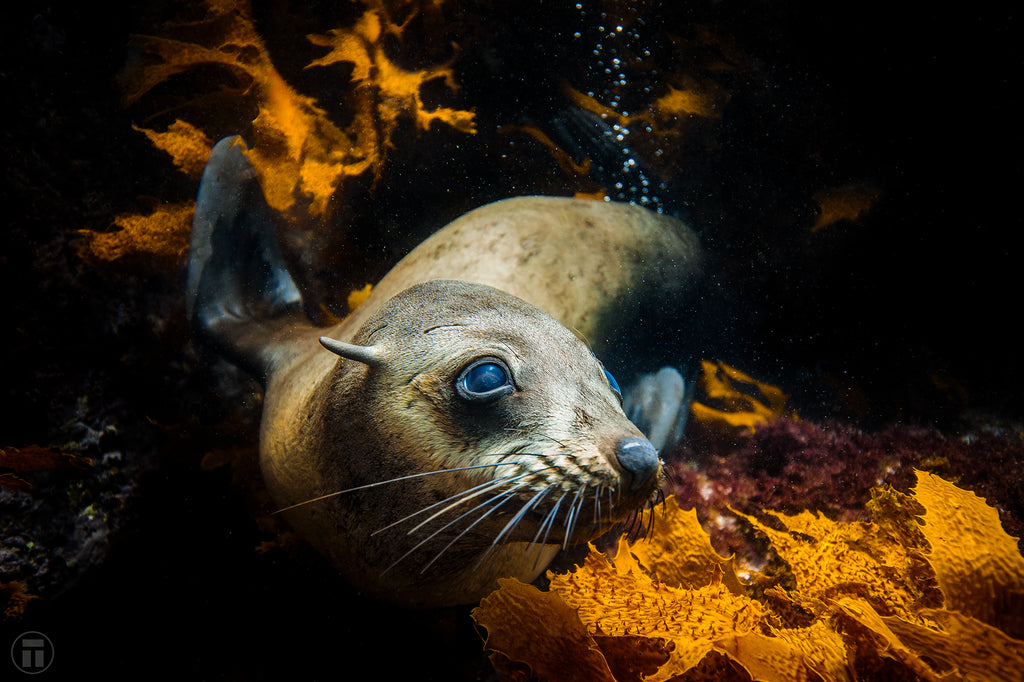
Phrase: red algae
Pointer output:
(795, 465)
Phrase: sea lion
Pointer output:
(452, 430)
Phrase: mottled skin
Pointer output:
(475, 289)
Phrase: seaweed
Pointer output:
(302, 155)
(921, 596)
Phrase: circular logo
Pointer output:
(32, 652)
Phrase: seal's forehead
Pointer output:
(442, 316)
(440, 303)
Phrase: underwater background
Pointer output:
(853, 173)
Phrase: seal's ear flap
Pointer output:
(239, 290)
(370, 355)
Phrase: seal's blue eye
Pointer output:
(484, 381)
(613, 383)
(484, 378)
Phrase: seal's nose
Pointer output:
(639, 458)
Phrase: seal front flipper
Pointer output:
(659, 403)
(240, 296)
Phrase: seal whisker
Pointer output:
(496, 484)
(514, 453)
(455, 500)
(629, 527)
(571, 515)
(507, 493)
(391, 480)
(660, 497)
(533, 502)
(464, 494)
(535, 434)
(546, 527)
(634, 526)
(597, 504)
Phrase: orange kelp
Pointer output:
(846, 203)
(300, 154)
(908, 596)
(732, 402)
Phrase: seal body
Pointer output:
(457, 427)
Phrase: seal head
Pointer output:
(514, 410)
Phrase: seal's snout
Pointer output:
(638, 457)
